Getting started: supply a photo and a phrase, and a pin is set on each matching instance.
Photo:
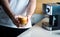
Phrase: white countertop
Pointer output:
(37, 31)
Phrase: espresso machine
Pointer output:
(53, 11)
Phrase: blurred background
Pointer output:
(38, 15)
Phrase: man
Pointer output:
(9, 9)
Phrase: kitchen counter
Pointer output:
(38, 31)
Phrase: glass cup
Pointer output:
(23, 20)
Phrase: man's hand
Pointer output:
(29, 16)
(16, 22)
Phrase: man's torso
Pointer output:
(18, 7)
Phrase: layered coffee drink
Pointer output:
(23, 20)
